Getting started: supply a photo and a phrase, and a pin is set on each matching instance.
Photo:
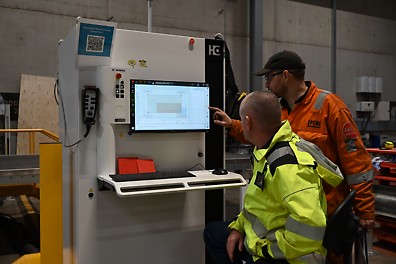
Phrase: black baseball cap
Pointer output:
(283, 60)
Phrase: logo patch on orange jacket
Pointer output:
(314, 123)
(349, 131)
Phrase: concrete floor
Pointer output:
(378, 257)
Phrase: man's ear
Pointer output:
(248, 122)
(285, 74)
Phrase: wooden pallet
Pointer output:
(37, 109)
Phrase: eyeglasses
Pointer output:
(270, 76)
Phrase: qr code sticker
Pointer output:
(95, 43)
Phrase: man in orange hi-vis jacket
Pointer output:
(322, 118)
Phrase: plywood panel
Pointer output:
(37, 109)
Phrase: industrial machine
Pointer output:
(138, 102)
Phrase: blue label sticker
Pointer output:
(95, 40)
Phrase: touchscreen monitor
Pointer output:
(169, 106)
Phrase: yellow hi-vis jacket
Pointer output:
(284, 214)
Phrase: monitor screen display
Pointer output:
(169, 106)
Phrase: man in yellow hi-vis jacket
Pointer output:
(284, 215)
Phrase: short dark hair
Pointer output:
(266, 108)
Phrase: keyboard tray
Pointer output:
(198, 180)
(158, 175)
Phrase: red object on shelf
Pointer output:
(385, 178)
(386, 164)
(133, 165)
(381, 151)
(145, 165)
(389, 165)
(127, 165)
(385, 232)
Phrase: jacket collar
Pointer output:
(304, 99)
(308, 95)
(283, 134)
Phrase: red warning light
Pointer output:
(192, 41)
(118, 76)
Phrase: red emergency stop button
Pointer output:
(118, 76)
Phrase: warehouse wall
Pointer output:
(30, 31)
(365, 45)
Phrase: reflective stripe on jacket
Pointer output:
(284, 213)
(323, 119)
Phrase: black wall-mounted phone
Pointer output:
(90, 102)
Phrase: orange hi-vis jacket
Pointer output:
(323, 119)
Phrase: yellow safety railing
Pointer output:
(32, 132)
